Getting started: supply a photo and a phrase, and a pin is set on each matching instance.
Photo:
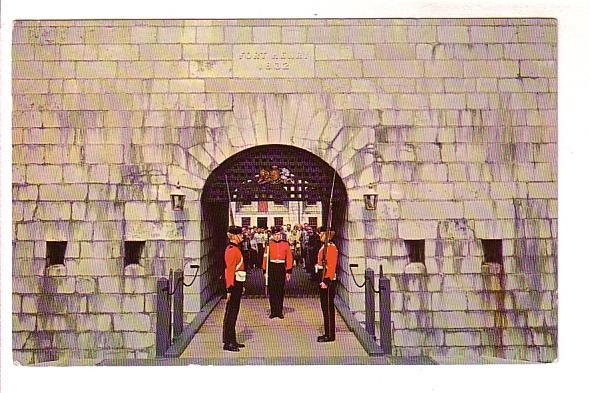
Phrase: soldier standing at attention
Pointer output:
(235, 276)
(276, 266)
(326, 263)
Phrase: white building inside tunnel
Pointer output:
(452, 121)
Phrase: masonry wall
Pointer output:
(455, 121)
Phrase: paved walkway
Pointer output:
(274, 341)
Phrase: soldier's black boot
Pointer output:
(231, 347)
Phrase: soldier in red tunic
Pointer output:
(326, 263)
(235, 276)
(277, 265)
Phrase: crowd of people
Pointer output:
(304, 241)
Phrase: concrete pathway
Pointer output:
(274, 341)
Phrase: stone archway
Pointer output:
(314, 184)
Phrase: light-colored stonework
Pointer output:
(455, 121)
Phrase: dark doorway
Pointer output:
(276, 173)
(262, 222)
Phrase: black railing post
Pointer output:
(177, 320)
(162, 317)
(385, 312)
(370, 302)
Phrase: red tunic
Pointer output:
(278, 250)
(331, 258)
(233, 256)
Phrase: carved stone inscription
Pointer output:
(273, 61)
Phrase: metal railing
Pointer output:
(384, 292)
(170, 308)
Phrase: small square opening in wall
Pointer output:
(415, 249)
(133, 252)
(492, 250)
(56, 252)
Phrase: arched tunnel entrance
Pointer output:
(269, 173)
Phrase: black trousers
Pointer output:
(328, 310)
(276, 287)
(232, 308)
(260, 255)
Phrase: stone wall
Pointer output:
(455, 121)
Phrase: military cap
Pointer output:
(234, 230)
(331, 233)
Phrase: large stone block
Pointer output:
(95, 69)
(443, 69)
(452, 319)
(44, 174)
(132, 322)
(139, 285)
(134, 304)
(462, 339)
(413, 229)
(537, 34)
(432, 173)
(449, 301)
(419, 33)
(430, 210)
(485, 301)
(55, 322)
(333, 52)
(210, 69)
(496, 229)
(103, 154)
(94, 322)
(105, 303)
(23, 323)
(53, 211)
(538, 69)
(118, 52)
(135, 69)
(107, 34)
(448, 101)
(393, 68)
(518, 337)
(454, 34)
(266, 34)
(544, 190)
(471, 190)
(417, 301)
(166, 69)
(142, 211)
(107, 231)
(110, 284)
(143, 34)
(85, 285)
(195, 52)
(479, 210)
(418, 338)
(176, 34)
(493, 34)
(430, 85)
(137, 340)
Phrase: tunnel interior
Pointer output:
(275, 173)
